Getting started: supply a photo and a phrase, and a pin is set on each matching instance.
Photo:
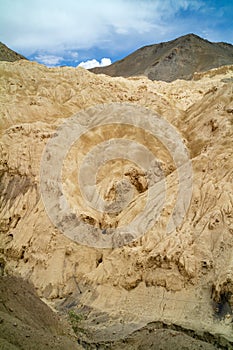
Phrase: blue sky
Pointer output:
(97, 32)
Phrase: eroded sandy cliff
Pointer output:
(179, 278)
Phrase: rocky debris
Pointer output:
(165, 337)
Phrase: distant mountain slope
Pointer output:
(175, 59)
(9, 55)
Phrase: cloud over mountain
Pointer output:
(94, 63)
(60, 28)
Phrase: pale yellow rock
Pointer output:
(158, 277)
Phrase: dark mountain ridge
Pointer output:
(175, 59)
(6, 54)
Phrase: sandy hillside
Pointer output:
(183, 279)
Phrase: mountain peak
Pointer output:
(176, 59)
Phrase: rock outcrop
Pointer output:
(185, 278)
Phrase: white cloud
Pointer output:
(94, 63)
(74, 55)
(49, 60)
(67, 28)
(59, 25)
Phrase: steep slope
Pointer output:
(183, 280)
(175, 59)
(28, 323)
(9, 55)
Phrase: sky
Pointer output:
(94, 33)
